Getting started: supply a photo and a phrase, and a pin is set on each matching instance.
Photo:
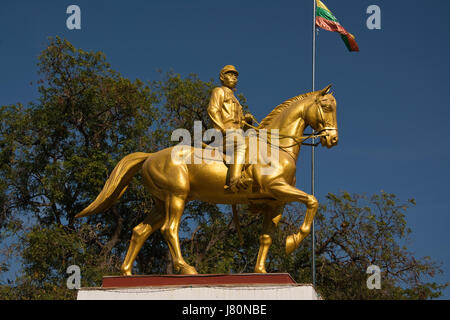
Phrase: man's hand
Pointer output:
(249, 118)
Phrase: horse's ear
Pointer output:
(325, 90)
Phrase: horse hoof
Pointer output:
(291, 244)
(126, 272)
(185, 270)
(260, 270)
(189, 270)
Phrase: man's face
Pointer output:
(229, 79)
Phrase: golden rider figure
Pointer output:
(227, 116)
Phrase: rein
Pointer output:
(313, 135)
(296, 139)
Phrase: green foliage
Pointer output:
(57, 152)
(47, 253)
(356, 231)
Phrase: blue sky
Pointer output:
(393, 109)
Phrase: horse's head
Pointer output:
(322, 117)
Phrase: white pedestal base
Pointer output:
(198, 292)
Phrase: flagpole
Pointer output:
(313, 240)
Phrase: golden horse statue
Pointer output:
(173, 183)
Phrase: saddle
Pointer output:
(220, 155)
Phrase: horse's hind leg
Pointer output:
(174, 207)
(272, 216)
(141, 232)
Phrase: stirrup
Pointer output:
(240, 184)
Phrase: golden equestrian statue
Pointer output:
(173, 183)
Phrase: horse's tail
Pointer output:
(116, 184)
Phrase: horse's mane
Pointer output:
(281, 107)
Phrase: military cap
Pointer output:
(228, 68)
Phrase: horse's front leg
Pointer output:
(287, 193)
(272, 216)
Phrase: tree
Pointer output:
(356, 231)
(58, 151)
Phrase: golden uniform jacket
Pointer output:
(225, 110)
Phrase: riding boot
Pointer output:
(235, 167)
(236, 181)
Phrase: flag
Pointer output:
(326, 20)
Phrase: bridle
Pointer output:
(300, 140)
(322, 118)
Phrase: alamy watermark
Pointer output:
(374, 20)
(374, 281)
(74, 280)
(74, 20)
(262, 147)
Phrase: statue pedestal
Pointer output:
(270, 286)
